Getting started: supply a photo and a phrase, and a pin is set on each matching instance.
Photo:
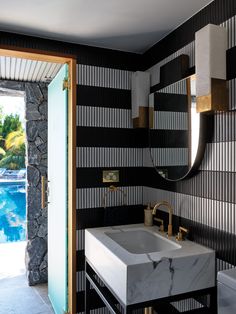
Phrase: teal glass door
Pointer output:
(57, 192)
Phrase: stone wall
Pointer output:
(36, 134)
(36, 163)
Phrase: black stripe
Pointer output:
(230, 75)
(103, 97)
(80, 258)
(85, 54)
(224, 243)
(216, 12)
(231, 63)
(160, 85)
(111, 137)
(110, 216)
(170, 102)
(95, 301)
(168, 138)
(92, 177)
(214, 185)
(174, 70)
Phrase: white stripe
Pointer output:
(219, 157)
(169, 156)
(178, 88)
(94, 117)
(103, 77)
(213, 213)
(109, 157)
(93, 197)
(166, 120)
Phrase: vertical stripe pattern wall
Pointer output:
(106, 119)
(205, 203)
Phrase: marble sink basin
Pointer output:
(139, 263)
(142, 241)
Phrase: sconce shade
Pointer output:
(139, 94)
(211, 84)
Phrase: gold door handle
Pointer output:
(43, 192)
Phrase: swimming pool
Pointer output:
(12, 212)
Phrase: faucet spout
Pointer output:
(170, 210)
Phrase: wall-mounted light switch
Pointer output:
(110, 176)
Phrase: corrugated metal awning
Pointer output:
(18, 69)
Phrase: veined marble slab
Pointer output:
(135, 278)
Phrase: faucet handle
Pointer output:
(180, 235)
(161, 228)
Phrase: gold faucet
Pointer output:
(180, 235)
(170, 209)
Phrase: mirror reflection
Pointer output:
(174, 129)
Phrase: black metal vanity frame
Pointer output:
(115, 306)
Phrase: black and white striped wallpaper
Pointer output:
(106, 140)
(205, 203)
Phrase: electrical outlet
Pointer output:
(110, 176)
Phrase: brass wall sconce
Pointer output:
(211, 84)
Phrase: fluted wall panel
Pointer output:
(109, 157)
(170, 156)
(205, 203)
(166, 120)
(104, 117)
(93, 197)
(105, 133)
(103, 77)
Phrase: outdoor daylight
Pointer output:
(12, 170)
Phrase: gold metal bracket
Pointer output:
(66, 84)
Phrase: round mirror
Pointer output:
(176, 130)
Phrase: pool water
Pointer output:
(12, 212)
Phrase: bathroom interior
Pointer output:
(149, 166)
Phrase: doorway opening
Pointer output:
(30, 69)
(12, 183)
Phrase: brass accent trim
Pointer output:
(49, 56)
(113, 188)
(72, 188)
(180, 236)
(148, 310)
(170, 209)
(110, 176)
(142, 120)
(162, 223)
(151, 117)
(217, 100)
(66, 84)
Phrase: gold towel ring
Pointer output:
(113, 188)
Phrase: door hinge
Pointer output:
(66, 84)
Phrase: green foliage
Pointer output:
(13, 162)
(11, 123)
(12, 142)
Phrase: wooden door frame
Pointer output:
(55, 57)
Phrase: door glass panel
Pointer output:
(57, 194)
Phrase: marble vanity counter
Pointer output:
(141, 277)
